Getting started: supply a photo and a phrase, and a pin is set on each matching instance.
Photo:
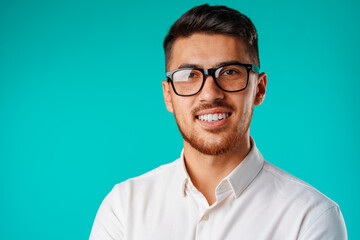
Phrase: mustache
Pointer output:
(212, 105)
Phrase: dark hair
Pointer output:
(214, 20)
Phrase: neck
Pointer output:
(207, 171)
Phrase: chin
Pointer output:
(217, 145)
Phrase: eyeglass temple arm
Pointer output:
(255, 68)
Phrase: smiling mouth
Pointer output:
(213, 117)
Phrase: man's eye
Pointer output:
(191, 75)
(229, 72)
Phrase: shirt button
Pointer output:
(205, 217)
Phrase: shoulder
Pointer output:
(304, 201)
(150, 179)
(138, 188)
(290, 186)
(125, 198)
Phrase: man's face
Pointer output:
(224, 135)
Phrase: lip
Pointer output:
(216, 124)
(213, 125)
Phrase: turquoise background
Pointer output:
(81, 104)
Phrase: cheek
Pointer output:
(244, 99)
(182, 107)
(248, 97)
(244, 107)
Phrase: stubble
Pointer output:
(228, 141)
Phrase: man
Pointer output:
(220, 187)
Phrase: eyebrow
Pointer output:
(189, 65)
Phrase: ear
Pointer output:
(167, 96)
(260, 89)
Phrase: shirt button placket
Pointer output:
(205, 217)
(202, 230)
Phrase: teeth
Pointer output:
(213, 117)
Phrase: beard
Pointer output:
(225, 142)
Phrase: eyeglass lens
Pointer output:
(229, 78)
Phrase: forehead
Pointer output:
(207, 50)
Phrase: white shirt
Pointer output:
(255, 201)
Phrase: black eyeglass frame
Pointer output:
(211, 72)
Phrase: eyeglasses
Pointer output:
(228, 77)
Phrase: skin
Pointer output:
(227, 142)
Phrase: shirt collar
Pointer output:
(238, 179)
(246, 171)
(183, 174)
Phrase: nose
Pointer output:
(210, 92)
